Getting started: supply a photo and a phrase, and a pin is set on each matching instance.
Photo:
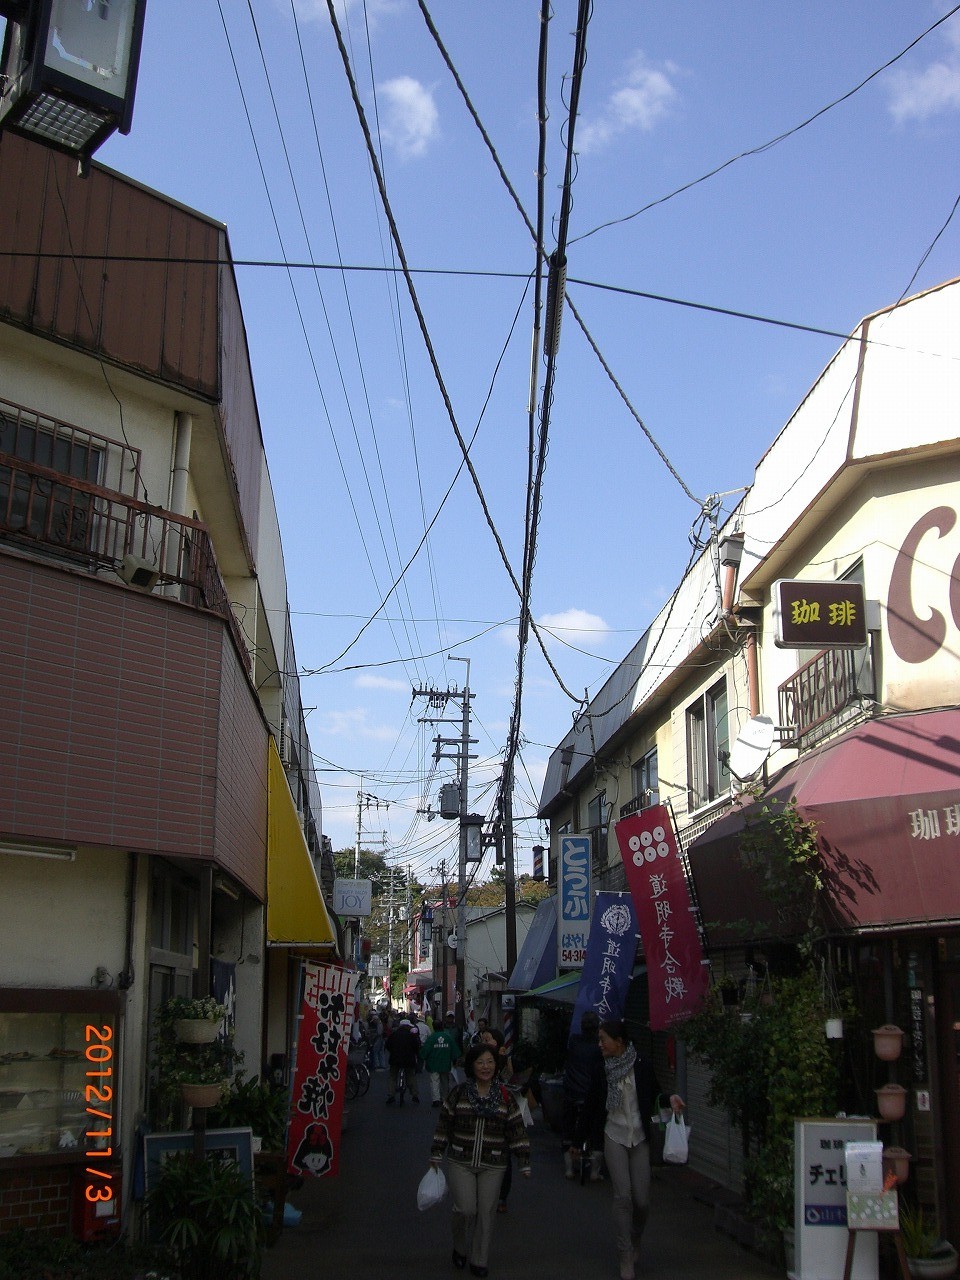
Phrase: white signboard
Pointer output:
(820, 1200)
(573, 914)
(352, 897)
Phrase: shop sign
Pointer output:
(676, 972)
(352, 897)
(326, 1017)
(819, 615)
(573, 919)
(820, 1199)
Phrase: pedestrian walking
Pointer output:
(493, 1038)
(438, 1053)
(623, 1092)
(583, 1061)
(378, 1060)
(403, 1053)
(479, 1122)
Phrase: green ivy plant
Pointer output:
(201, 1009)
(781, 846)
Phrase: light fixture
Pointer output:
(139, 572)
(39, 851)
(472, 824)
(222, 884)
(69, 70)
(731, 550)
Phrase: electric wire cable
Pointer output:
(782, 137)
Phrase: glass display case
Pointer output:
(58, 1074)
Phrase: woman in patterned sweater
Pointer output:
(478, 1125)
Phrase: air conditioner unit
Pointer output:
(139, 573)
(284, 747)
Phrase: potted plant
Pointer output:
(927, 1255)
(180, 1066)
(257, 1104)
(195, 1021)
(206, 1213)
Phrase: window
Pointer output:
(598, 813)
(646, 780)
(708, 735)
(37, 506)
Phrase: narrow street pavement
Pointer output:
(365, 1224)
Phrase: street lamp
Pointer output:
(68, 70)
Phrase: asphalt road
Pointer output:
(364, 1224)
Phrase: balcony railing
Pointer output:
(93, 528)
(820, 691)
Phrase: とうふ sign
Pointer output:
(573, 912)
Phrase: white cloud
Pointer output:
(382, 682)
(576, 626)
(644, 99)
(317, 11)
(918, 95)
(409, 119)
(352, 724)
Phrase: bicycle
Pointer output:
(358, 1078)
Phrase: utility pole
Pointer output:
(509, 876)
(461, 754)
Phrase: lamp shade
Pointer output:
(70, 71)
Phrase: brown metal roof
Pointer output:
(158, 317)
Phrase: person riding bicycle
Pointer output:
(403, 1053)
(583, 1060)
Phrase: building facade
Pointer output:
(856, 503)
(159, 819)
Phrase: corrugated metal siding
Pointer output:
(159, 318)
(129, 724)
(238, 410)
(715, 1144)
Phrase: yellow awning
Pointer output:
(297, 915)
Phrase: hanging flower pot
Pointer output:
(887, 1042)
(897, 1161)
(891, 1101)
(834, 1028)
(202, 1095)
(196, 1030)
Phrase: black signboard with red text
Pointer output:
(819, 615)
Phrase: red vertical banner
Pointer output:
(676, 973)
(319, 1082)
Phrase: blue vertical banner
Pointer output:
(610, 959)
(573, 917)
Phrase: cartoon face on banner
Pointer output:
(326, 1017)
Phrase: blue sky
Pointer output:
(820, 229)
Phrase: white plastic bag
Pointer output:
(525, 1111)
(676, 1140)
(432, 1188)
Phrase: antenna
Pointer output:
(749, 753)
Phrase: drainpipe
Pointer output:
(753, 673)
(183, 434)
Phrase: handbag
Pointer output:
(432, 1188)
(676, 1140)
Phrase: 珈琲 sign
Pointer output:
(819, 615)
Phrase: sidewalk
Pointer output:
(365, 1224)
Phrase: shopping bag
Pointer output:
(676, 1140)
(432, 1188)
(525, 1111)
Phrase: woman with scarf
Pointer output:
(478, 1126)
(622, 1097)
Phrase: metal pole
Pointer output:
(509, 875)
(462, 860)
